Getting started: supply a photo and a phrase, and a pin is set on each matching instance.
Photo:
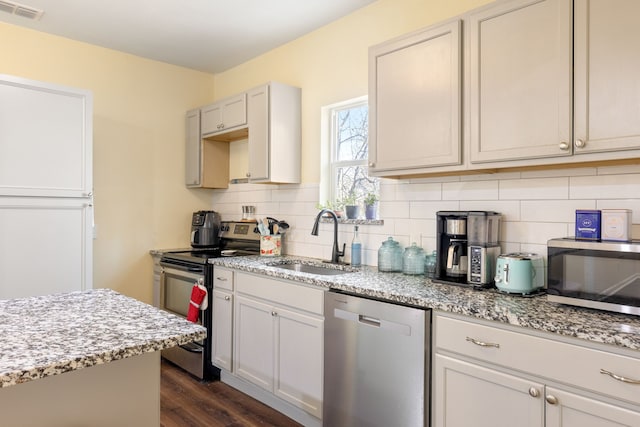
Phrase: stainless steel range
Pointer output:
(181, 270)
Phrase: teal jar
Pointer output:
(388, 256)
(430, 264)
(413, 260)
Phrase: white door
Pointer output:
(258, 107)
(254, 342)
(222, 340)
(565, 409)
(469, 395)
(519, 92)
(45, 139)
(414, 104)
(299, 360)
(46, 246)
(607, 60)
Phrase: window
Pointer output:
(348, 138)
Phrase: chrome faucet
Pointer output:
(335, 253)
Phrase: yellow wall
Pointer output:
(140, 198)
(139, 106)
(330, 64)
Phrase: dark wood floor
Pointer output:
(187, 402)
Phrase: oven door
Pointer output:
(175, 293)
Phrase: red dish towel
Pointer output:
(198, 295)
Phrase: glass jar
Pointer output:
(390, 256)
(430, 265)
(413, 260)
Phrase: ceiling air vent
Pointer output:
(21, 10)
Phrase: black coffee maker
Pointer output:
(451, 247)
(205, 229)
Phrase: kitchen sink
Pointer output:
(319, 269)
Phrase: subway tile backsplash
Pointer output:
(536, 206)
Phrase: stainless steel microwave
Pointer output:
(603, 275)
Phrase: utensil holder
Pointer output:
(271, 245)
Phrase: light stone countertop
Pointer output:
(533, 312)
(50, 335)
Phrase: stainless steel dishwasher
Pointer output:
(376, 363)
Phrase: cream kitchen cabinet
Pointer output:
(606, 62)
(206, 159)
(486, 375)
(415, 102)
(278, 339)
(222, 331)
(224, 115)
(274, 141)
(519, 80)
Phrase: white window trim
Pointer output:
(327, 163)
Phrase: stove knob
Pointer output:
(256, 230)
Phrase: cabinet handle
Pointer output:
(563, 146)
(222, 279)
(579, 143)
(248, 174)
(620, 378)
(482, 343)
(227, 298)
(534, 392)
(274, 314)
(551, 399)
(221, 126)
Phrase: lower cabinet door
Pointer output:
(565, 409)
(470, 395)
(254, 342)
(222, 340)
(299, 360)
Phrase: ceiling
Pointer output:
(206, 35)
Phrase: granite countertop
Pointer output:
(50, 335)
(533, 312)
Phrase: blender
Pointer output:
(483, 234)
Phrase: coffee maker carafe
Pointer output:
(484, 247)
(451, 250)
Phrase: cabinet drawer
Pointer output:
(281, 292)
(222, 278)
(554, 360)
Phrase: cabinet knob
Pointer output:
(274, 314)
(220, 126)
(372, 164)
(227, 298)
(579, 143)
(551, 399)
(563, 146)
(248, 174)
(534, 392)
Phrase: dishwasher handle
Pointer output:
(368, 320)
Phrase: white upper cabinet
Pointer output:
(414, 102)
(607, 83)
(224, 115)
(45, 139)
(193, 159)
(274, 133)
(519, 80)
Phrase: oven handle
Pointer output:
(182, 273)
(192, 348)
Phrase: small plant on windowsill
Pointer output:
(371, 205)
(336, 206)
(351, 206)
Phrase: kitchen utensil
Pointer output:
(519, 273)
(248, 213)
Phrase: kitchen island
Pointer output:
(84, 358)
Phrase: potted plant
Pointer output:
(336, 207)
(370, 205)
(351, 206)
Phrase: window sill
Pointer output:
(353, 221)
